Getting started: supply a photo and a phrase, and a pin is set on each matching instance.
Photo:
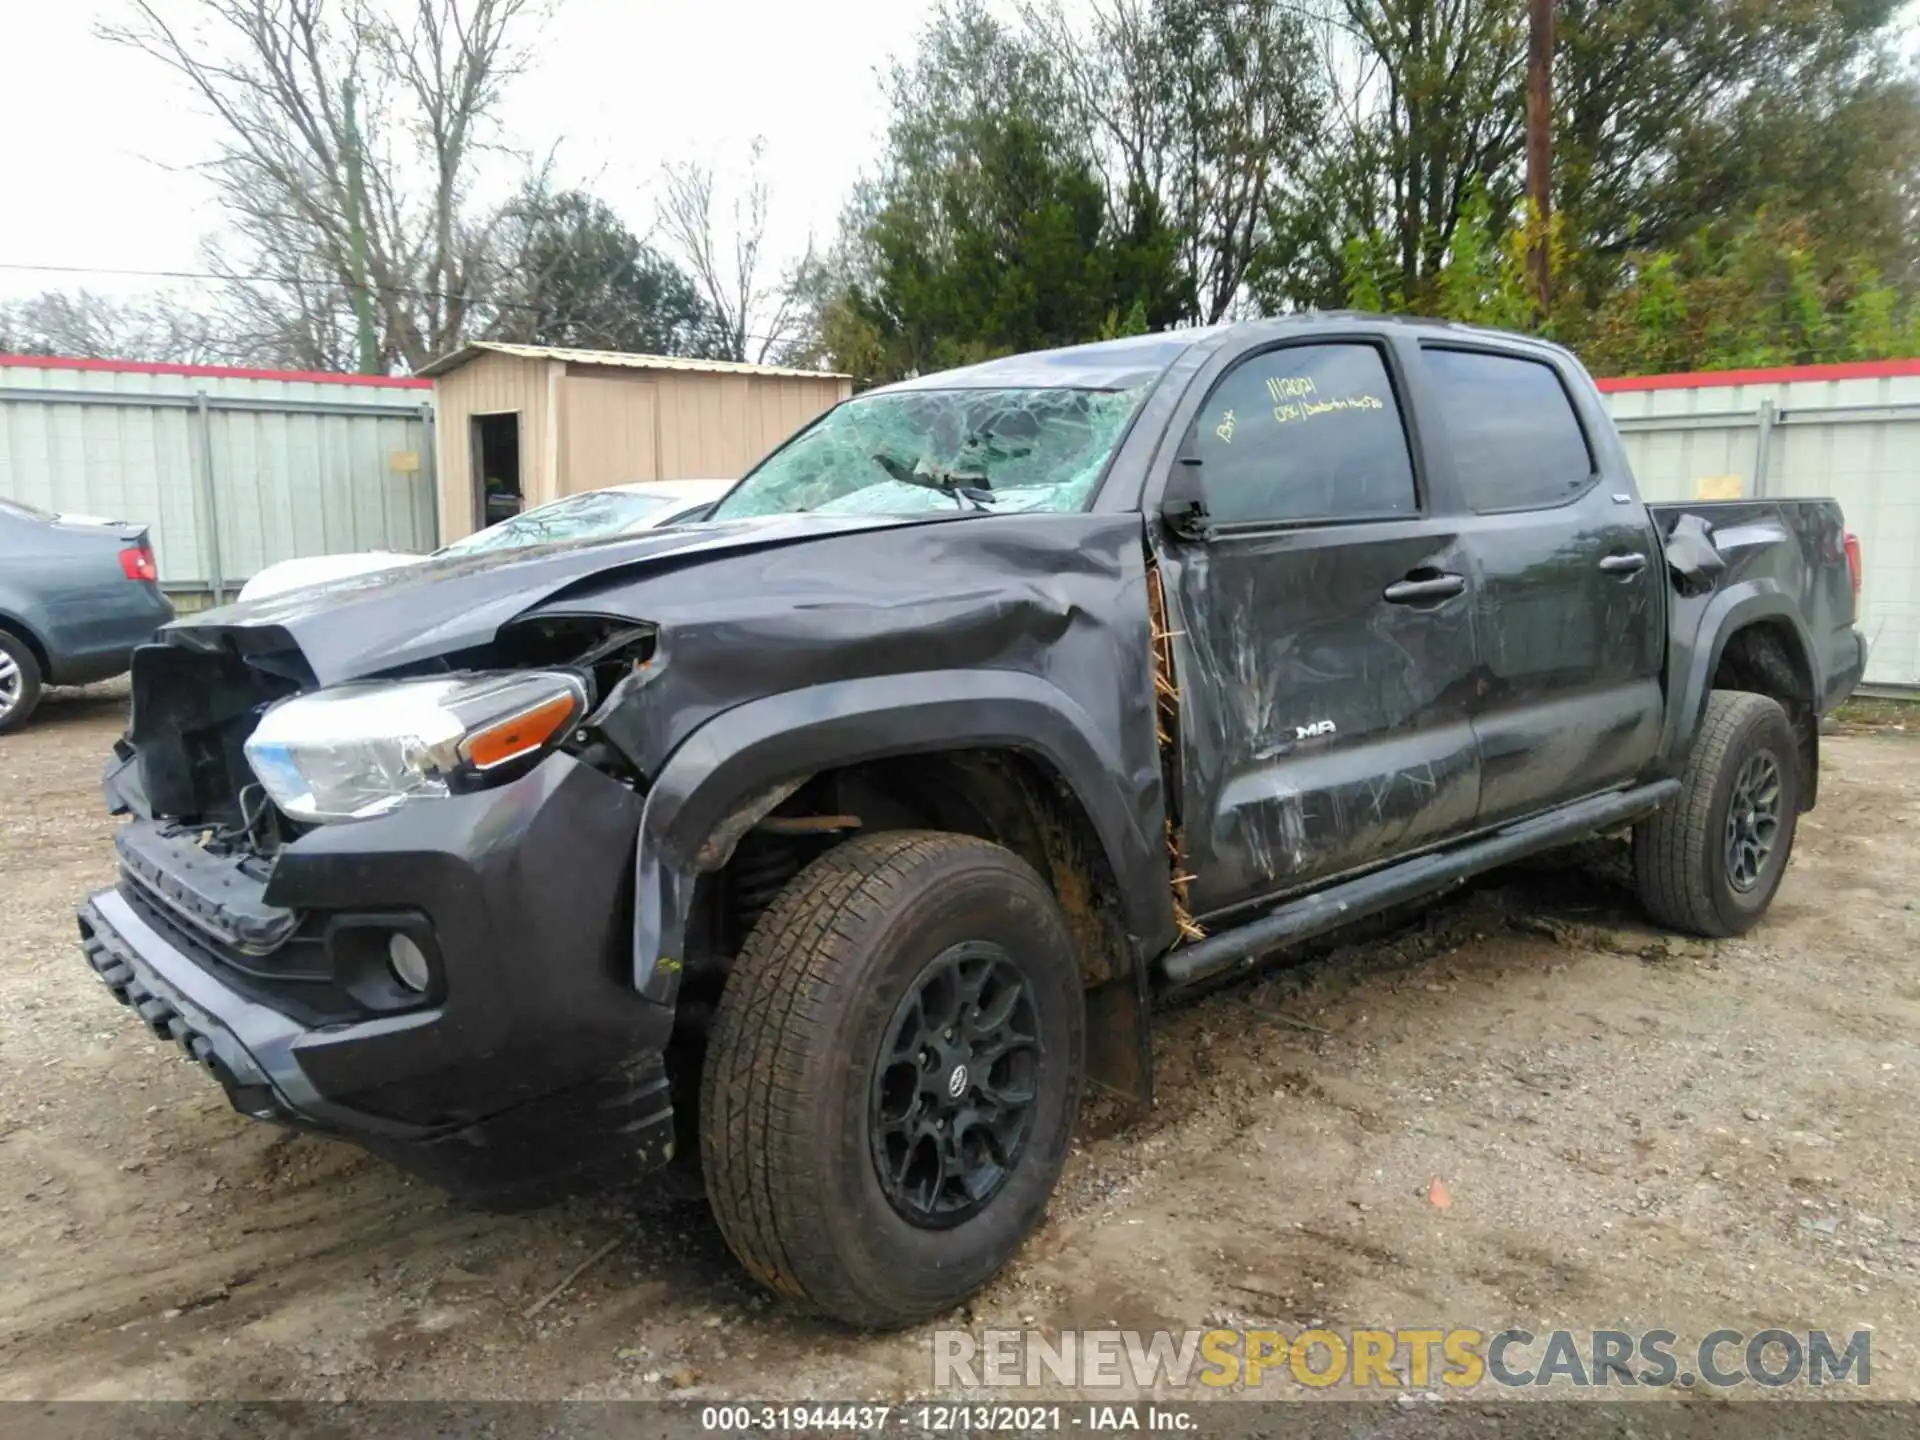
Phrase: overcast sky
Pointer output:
(97, 142)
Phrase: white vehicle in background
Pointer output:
(591, 515)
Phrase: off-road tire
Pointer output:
(13, 716)
(785, 1123)
(1680, 863)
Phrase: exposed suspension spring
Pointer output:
(761, 869)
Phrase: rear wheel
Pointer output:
(19, 682)
(893, 1076)
(1710, 861)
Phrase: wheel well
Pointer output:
(31, 641)
(1767, 658)
(1005, 796)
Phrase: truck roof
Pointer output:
(1137, 359)
(1103, 365)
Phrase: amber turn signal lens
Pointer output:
(520, 734)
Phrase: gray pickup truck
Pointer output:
(850, 834)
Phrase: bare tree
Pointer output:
(1204, 110)
(1444, 114)
(275, 73)
(297, 311)
(95, 327)
(757, 314)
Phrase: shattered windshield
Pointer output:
(906, 451)
(594, 515)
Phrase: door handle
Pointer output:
(1631, 563)
(1427, 587)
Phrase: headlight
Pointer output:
(353, 751)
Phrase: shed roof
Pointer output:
(617, 357)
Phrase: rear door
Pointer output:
(1569, 612)
(1322, 631)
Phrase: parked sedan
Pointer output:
(591, 515)
(76, 595)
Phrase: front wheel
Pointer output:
(1710, 861)
(893, 1076)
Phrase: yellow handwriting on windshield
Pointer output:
(1332, 405)
(1287, 387)
(1225, 428)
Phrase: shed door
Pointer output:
(608, 434)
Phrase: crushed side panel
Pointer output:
(1166, 710)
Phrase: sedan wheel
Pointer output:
(19, 682)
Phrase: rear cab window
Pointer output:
(1304, 433)
(1511, 430)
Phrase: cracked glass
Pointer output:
(593, 515)
(911, 451)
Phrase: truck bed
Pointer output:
(1794, 548)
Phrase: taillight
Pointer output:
(136, 562)
(1853, 566)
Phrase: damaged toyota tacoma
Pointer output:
(847, 836)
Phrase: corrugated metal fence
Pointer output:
(231, 470)
(1849, 432)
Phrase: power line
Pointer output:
(295, 281)
(302, 282)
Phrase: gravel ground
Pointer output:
(1632, 1131)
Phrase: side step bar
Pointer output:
(1328, 909)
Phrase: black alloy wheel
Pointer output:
(1753, 819)
(1709, 861)
(953, 1094)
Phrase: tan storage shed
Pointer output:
(519, 425)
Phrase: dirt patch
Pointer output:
(1876, 712)
(1631, 1130)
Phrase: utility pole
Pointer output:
(1540, 146)
(357, 239)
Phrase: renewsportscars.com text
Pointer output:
(1413, 1359)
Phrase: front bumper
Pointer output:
(531, 1060)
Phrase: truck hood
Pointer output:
(367, 624)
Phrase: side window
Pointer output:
(1308, 432)
(1515, 440)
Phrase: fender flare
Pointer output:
(753, 750)
(1691, 667)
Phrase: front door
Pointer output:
(1570, 619)
(1323, 632)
